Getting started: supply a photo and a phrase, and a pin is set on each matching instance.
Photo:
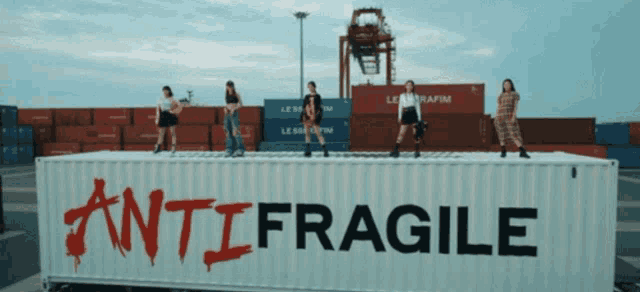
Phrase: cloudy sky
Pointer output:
(567, 58)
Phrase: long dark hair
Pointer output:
(233, 88)
(314, 85)
(413, 86)
(513, 88)
(168, 89)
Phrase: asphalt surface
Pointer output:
(19, 196)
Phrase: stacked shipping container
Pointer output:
(16, 138)
(454, 113)
(622, 141)
(66, 131)
(284, 132)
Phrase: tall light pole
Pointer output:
(301, 16)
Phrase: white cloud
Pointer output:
(412, 37)
(201, 26)
(485, 52)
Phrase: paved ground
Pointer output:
(19, 196)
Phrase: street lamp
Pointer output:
(301, 16)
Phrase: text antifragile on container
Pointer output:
(253, 227)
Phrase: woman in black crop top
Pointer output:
(231, 124)
(311, 116)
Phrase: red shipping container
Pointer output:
(89, 134)
(246, 115)
(193, 147)
(388, 149)
(634, 132)
(441, 98)
(112, 116)
(35, 117)
(247, 147)
(73, 117)
(596, 151)
(139, 147)
(100, 147)
(142, 134)
(251, 134)
(198, 116)
(544, 131)
(52, 149)
(444, 130)
(193, 135)
(144, 116)
(43, 135)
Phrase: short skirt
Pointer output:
(409, 116)
(167, 119)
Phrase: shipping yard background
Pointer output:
(53, 105)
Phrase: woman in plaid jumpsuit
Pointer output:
(505, 122)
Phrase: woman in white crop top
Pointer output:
(409, 113)
(167, 112)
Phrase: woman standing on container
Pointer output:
(505, 121)
(231, 123)
(311, 117)
(409, 113)
(167, 113)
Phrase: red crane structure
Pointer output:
(365, 42)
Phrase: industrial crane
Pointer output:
(365, 42)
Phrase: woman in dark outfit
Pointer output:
(311, 116)
(505, 121)
(231, 123)
(167, 113)
(409, 113)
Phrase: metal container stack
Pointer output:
(619, 142)
(284, 132)
(17, 139)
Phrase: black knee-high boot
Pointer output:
(395, 152)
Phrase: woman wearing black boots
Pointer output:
(167, 117)
(311, 117)
(505, 121)
(409, 113)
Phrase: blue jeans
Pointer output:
(232, 132)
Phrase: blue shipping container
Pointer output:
(291, 130)
(10, 154)
(300, 146)
(612, 134)
(9, 136)
(628, 156)
(25, 153)
(334, 108)
(9, 116)
(25, 134)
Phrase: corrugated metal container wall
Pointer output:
(193, 134)
(147, 134)
(612, 134)
(596, 151)
(9, 135)
(554, 131)
(246, 115)
(144, 116)
(334, 108)
(247, 147)
(10, 154)
(299, 147)
(112, 117)
(139, 147)
(444, 130)
(73, 117)
(629, 156)
(197, 116)
(43, 135)
(281, 130)
(565, 203)
(25, 134)
(25, 153)
(53, 149)
(89, 134)
(100, 147)
(441, 98)
(193, 147)
(8, 116)
(634, 133)
(36, 117)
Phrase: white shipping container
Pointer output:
(350, 222)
